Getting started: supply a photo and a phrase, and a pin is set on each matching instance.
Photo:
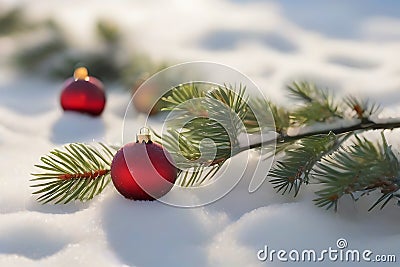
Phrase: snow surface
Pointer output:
(350, 46)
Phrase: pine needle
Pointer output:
(77, 172)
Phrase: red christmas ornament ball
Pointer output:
(143, 170)
(83, 93)
(146, 100)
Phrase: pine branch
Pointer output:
(299, 159)
(359, 127)
(361, 109)
(78, 172)
(301, 152)
(181, 94)
(256, 123)
(202, 133)
(197, 164)
(196, 176)
(318, 105)
(203, 111)
(360, 168)
(14, 21)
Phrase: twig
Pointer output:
(363, 126)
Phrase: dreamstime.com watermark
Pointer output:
(340, 253)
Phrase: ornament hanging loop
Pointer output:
(143, 136)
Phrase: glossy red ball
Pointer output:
(85, 96)
(143, 171)
(147, 101)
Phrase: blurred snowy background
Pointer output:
(349, 46)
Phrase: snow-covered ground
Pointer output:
(350, 46)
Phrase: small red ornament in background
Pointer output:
(146, 100)
(143, 170)
(83, 93)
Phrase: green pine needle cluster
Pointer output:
(299, 159)
(202, 112)
(359, 168)
(317, 105)
(77, 172)
(362, 109)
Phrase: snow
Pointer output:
(273, 42)
(316, 127)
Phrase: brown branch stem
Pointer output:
(362, 126)
(86, 175)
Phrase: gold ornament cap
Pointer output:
(143, 136)
(81, 73)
